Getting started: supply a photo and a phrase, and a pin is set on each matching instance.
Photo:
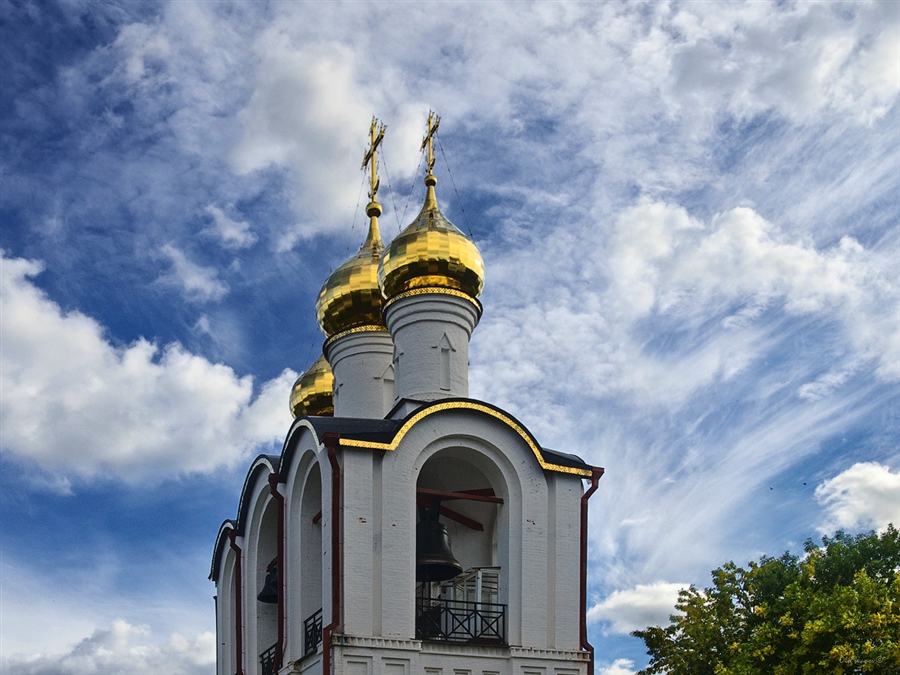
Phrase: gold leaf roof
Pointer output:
(431, 252)
(312, 392)
(351, 296)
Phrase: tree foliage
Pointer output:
(834, 611)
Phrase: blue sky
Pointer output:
(689, 219)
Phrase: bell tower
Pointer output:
(405, 528)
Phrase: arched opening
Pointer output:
(225, 604)
(464, 490)
(266, 611)
(306, 565)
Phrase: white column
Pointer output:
(431, 335)
(363, 373)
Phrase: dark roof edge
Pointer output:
(218, 548)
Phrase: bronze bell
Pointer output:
(434, 559)
(269, 592)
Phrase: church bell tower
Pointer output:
(404, 528)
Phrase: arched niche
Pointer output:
(305, 561)
(226, 604)
(266, 614)
(260, 548)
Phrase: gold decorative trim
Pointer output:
(430, 290)
(368, 328)
(467, 405)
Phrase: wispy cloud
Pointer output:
(303, 103)
(199, 284)
(232, 233)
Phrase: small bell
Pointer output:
(434, 559)
(269, 593)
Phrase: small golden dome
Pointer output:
(312, 392)
(431, 252)
(350, 296)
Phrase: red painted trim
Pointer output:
(596, 472)
(282, 573)
(238, 614)
(332, 442)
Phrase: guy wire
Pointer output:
(387, 175)
(453, 182)
(412, 187)
(356, 213)
(308, 354)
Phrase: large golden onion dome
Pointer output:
(312, 392)
(350, 296)
(431, 252)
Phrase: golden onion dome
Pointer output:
(431, 252)
(350, 296)
(312, 392)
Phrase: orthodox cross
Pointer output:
(428, 142)
(376, 135)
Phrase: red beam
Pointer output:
(470, 495)
(422, 500)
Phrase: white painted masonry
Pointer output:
(363, 373)
(431, 335)
(533, 537)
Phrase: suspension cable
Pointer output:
(411, 188)
(453, 182)
(355, 214)
(390, 187)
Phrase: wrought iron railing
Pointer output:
(312, 632)
(456, 621)
(267, 661)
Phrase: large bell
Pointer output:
(269, 592)
(434, 559)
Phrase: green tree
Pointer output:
(835, 611)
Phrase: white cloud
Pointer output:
(72, 402)
(302, 115)
(637, 608)
(800, 60)
(726, 289)
(234, 234)
(666, 260)
(123, 648)
(867, 495)
(199, 284)
(618, 667)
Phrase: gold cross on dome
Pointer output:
(376, 135)
(428, 142)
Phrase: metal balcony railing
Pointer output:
(312, 632)
(267, 661)
(442, 620)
